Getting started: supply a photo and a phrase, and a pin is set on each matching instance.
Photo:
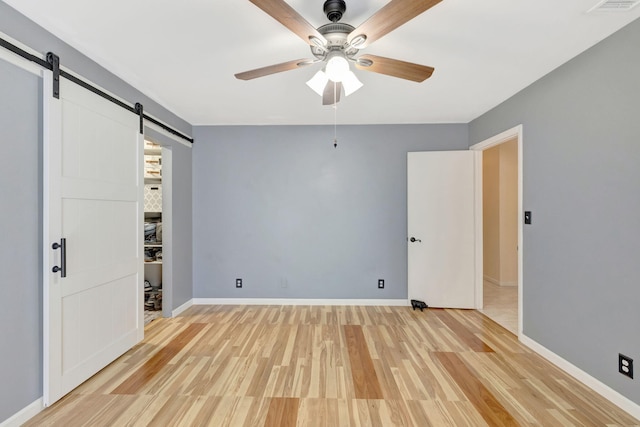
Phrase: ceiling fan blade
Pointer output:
(287, 16)
(394, 67)
(331, 93)
(391, 16)
(272, 69)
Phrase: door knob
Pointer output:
(413, 240)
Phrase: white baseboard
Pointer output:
(491, 280)
(303, 301)
(596, 385)
(498, 282)
(24, 415)
(182, 308)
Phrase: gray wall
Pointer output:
(20, 251)
(275, 204)
(20, 198)
(182, 226)
(582, 181)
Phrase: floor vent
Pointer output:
(614, 6)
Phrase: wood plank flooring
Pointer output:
(281, 366)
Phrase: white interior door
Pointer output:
(93, 192)
(441, 228)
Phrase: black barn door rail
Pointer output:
(53, 63)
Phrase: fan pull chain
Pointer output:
(335, 117)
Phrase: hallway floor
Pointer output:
(501, 305)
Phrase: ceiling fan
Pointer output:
(338, 43)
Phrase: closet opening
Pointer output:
(156, 214)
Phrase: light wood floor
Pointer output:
(280, 366)
(501, 305)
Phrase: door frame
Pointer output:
(517, 133)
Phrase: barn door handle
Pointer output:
(63, 257)
(413, 240)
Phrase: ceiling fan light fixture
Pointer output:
(318, 82)
(350, 83)
(337, 67)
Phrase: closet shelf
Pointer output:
(153, 262)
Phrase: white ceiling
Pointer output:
(184, 54)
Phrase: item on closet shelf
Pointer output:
(147, 286)
(149, 145)
(152, 166)
(150, 231)
(153, 197)
(157, 174)
(159, 256)
(149, 256)
(152, 162)
(159, 232)
(154, 301)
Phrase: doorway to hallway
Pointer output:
(501, 228)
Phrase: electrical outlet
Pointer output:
(380, 283)
(238, 283)
(625, 365)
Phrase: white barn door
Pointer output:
(92, 199)
(441, 221)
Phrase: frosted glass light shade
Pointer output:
(350, 83)
(318, 82)
(337, 67)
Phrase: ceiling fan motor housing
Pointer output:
(336, 35)
(334, 9)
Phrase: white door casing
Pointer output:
(517, 133)
(441, 208)
(93, 198)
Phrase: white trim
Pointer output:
(498, 139)
(479, 250)
(19, 61)
(51, 123)
(491, 280)
(24, 415)
(178, 311)
(515, 132)
(596, 385)
(301, 301)
(498, 282)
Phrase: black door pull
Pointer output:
(63, 257)
(413, 240)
